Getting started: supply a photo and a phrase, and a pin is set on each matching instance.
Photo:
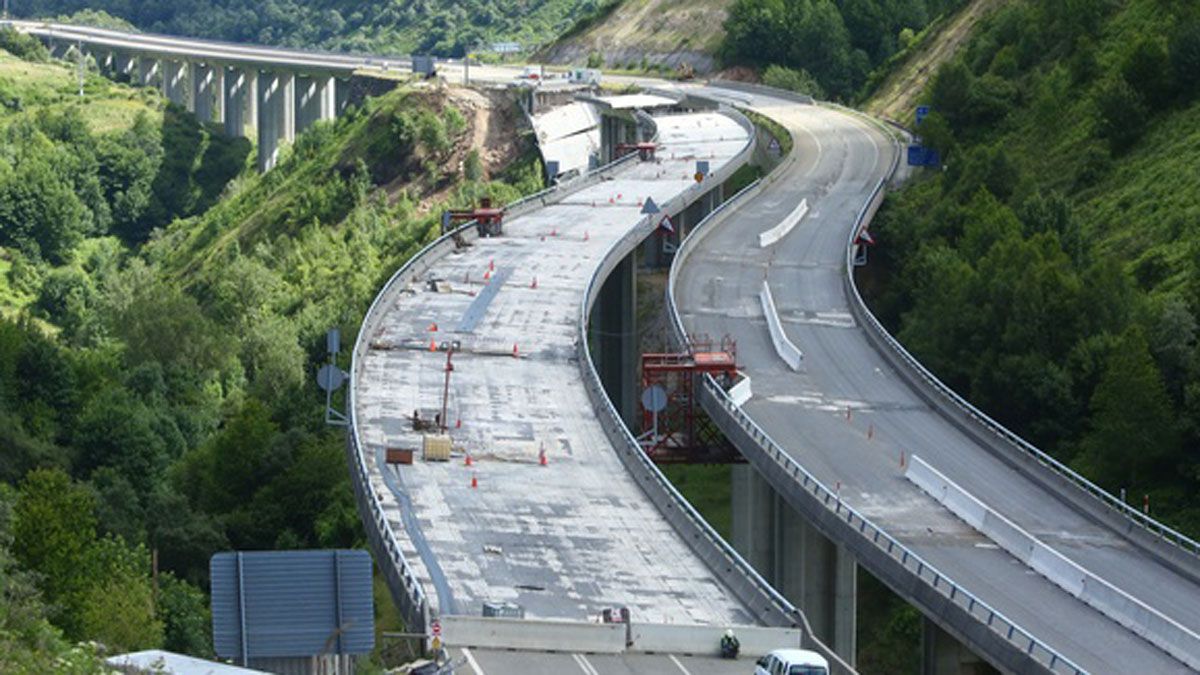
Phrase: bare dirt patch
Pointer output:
(898, 94)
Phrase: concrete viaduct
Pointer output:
(269, 95)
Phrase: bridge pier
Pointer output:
(276, 116)
(615, 339)
(942, 654)
(814, 573)
(148, 71)
(316, 100)
(206, 92)
(176, 82)
(240, 101)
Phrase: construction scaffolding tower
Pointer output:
(674, 428)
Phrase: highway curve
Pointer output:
(839, 159)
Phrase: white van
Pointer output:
(792, 662)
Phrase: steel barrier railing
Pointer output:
(827, 499)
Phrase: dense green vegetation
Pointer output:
(1050, 272)
(166, 310)
(830, 46)
(438, 27)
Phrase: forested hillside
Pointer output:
(165, 311)
(828, 48)
(441, 27)
(1051, 272)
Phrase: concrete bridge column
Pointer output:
(811, 571)
(276, 116)
(176, 84)
(238, 100)
(941, 654)
(341, 97)
(206, 93)
(125, 65)
(615, 340)
(148, 71)
(316, 99)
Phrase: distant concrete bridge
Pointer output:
(265, 93)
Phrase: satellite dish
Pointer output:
(654, 398)
(330, 377)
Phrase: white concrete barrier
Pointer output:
(786, 225)
(1159, 629)
(535, 635)
(787, 351)
(740, 392)
(706, 640)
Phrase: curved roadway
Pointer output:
(571, 537)
(839, 160)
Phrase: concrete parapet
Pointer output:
(573, 636)
(706, 640)
(1164, 632)
(787, 351)
(773, 235)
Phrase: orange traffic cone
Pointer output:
(554, 232)
(534, 284)
(487, 276)
(458, 423)
(474, 480)
(469, 461)
(433, 327)
(492, 265)
(433, 345)
(542, 455)
(516, 354)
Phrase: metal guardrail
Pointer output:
(413, 601)
(831, 501)
(863, 313)
(759, 596)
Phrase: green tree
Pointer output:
(797, 80)
(186, 620)
(1147, 68)
(1133, 438)
(1121, 113)
(117, 608)
(1185, 58)
(54, 528)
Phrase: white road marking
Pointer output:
(585, 665)
(471, 660)
(680, 665)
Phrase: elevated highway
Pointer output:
(598, 526)
(835, 431)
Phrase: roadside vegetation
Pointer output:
(822, 47)
(1049, 273)
(164, 310)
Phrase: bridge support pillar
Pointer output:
(615, 340)
(239, 100)
(316, 99)
(176, 84)
(941, 654)
(149, 71)
(811, 571)
(125, 66)
(276, 116)
(206, 92)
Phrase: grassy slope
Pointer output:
(110, 106)
(652, 27)
(895, 97)
(107, 107)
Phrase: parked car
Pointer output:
(792, 662)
